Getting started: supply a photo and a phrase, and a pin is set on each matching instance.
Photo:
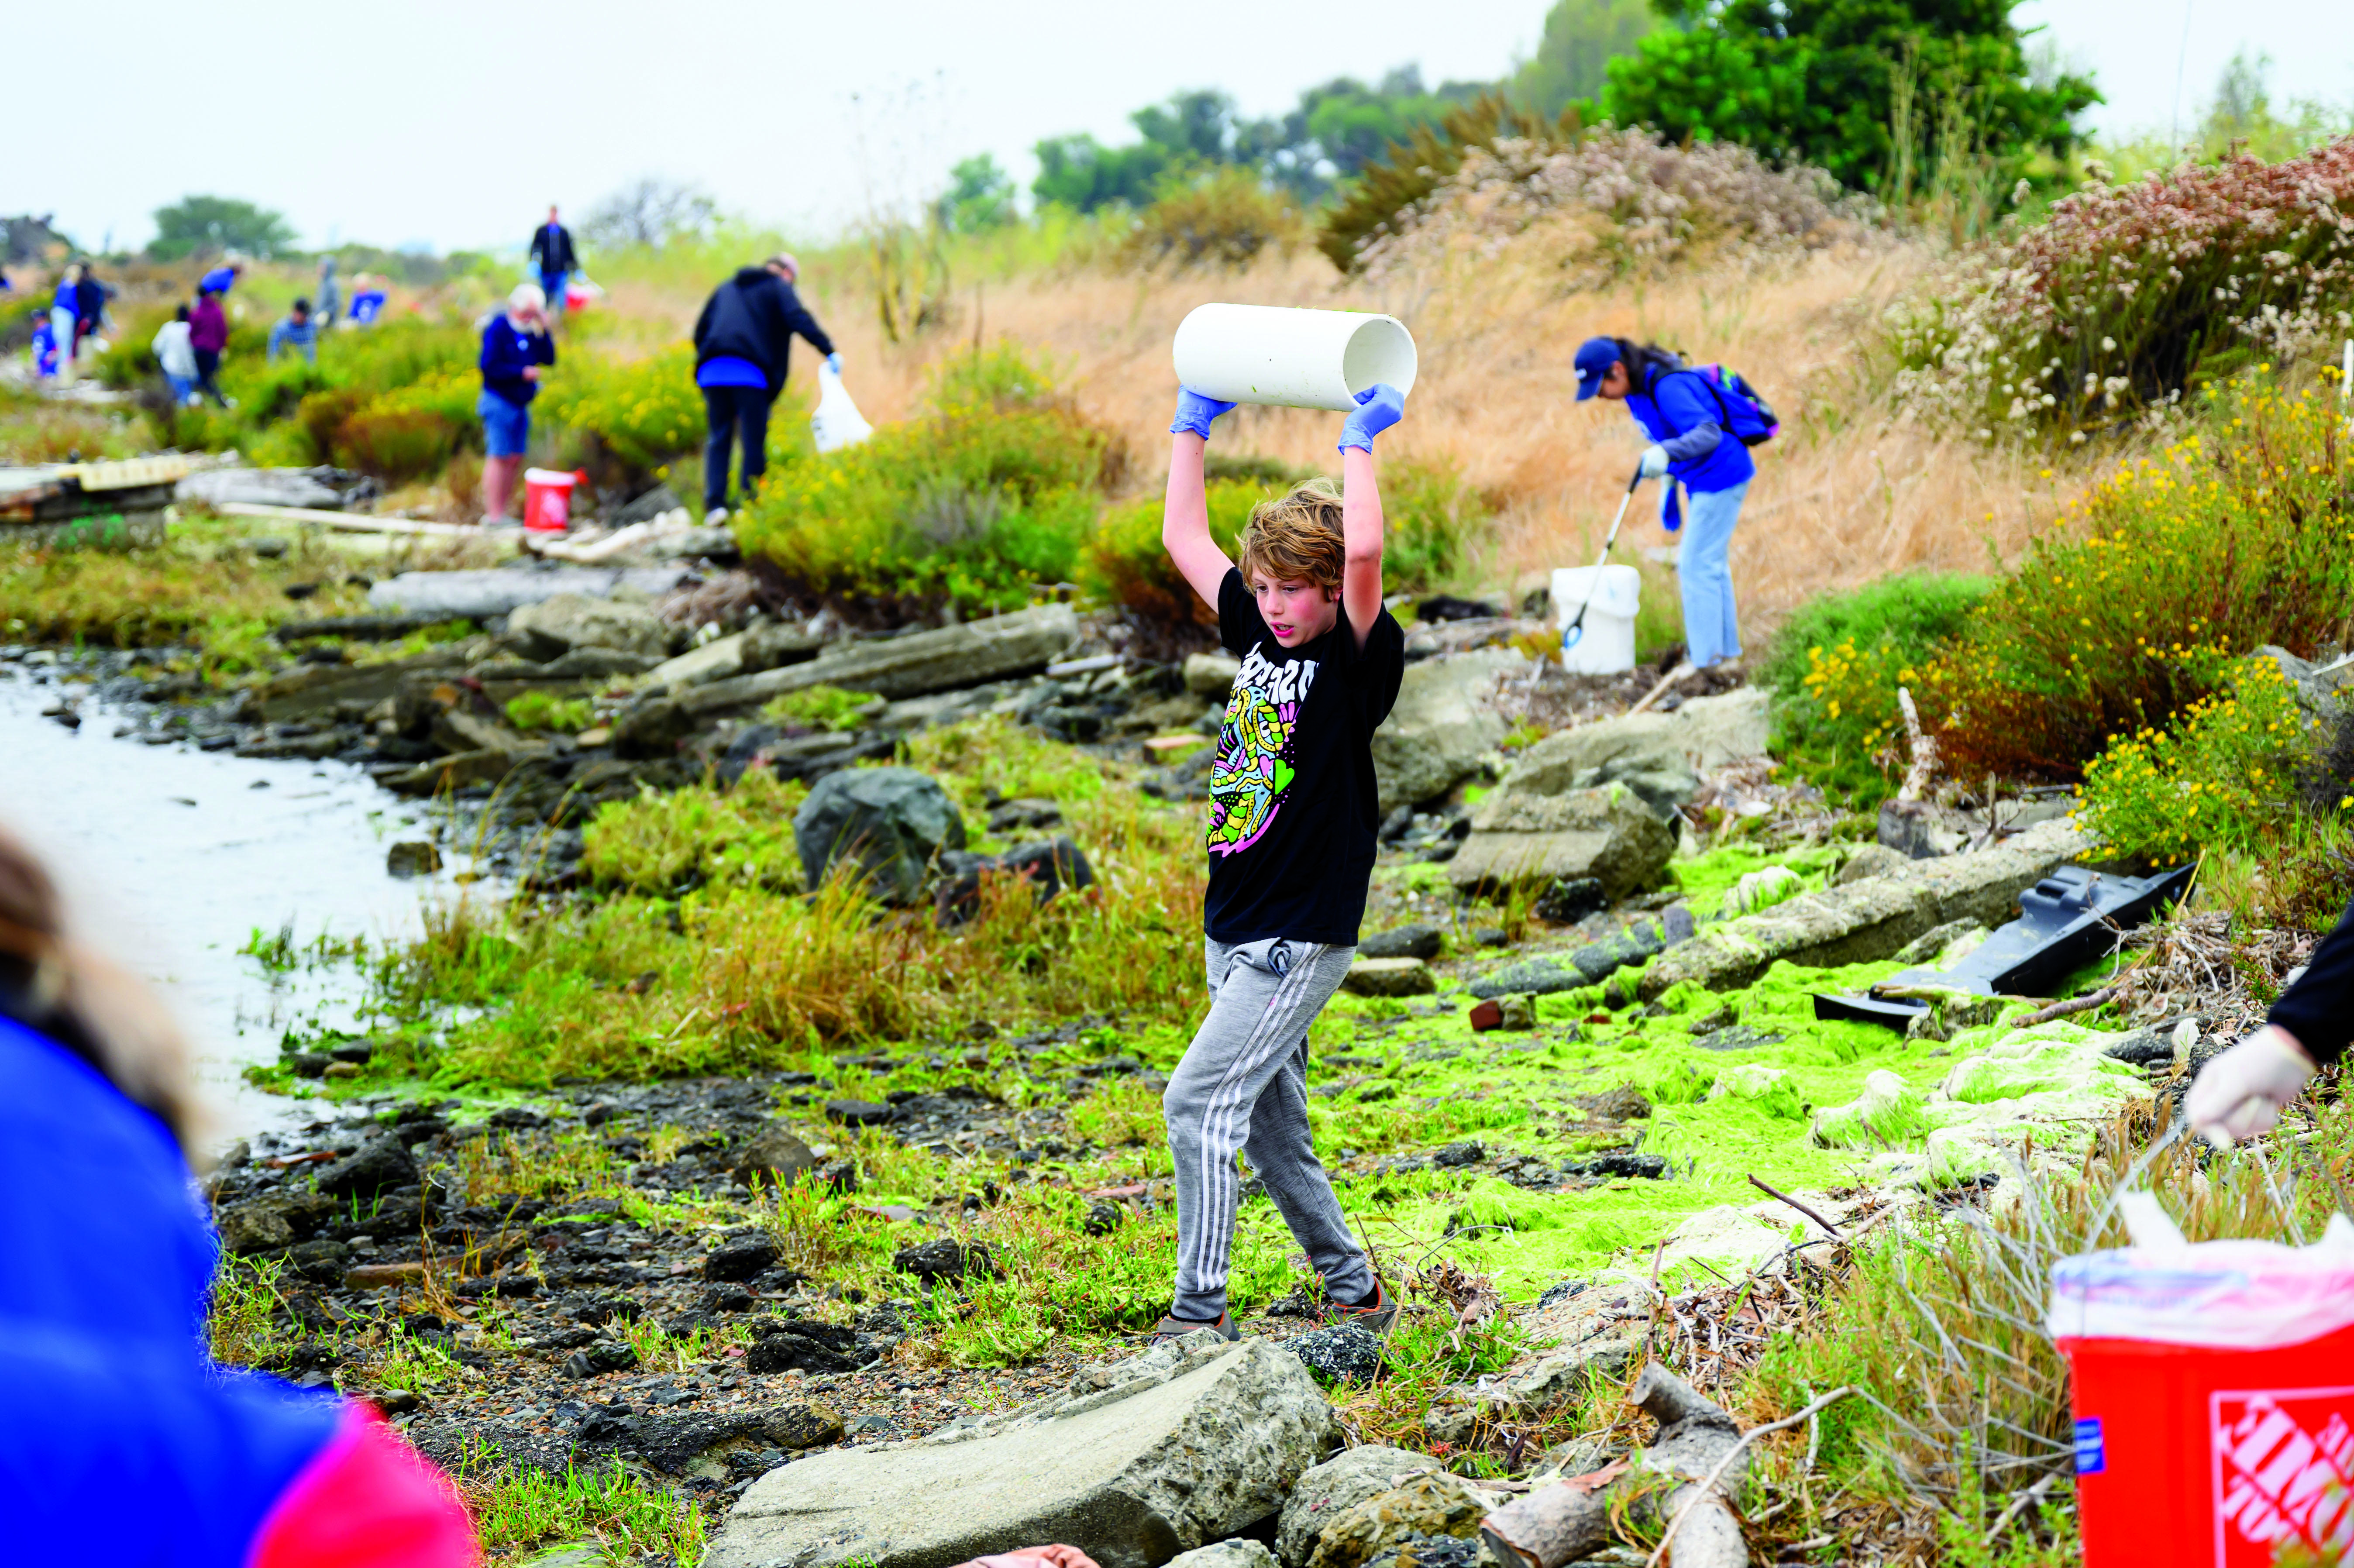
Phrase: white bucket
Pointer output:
(1607, 644)
(1291, 358)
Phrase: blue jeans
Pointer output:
(1710, 633)
(552, 285)
(507, 430)
(184, 387)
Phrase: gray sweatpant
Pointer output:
(1243, 1085)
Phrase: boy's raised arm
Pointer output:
(1378, 407)
(1185, 509)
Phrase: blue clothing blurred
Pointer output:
(1705, 576)
(120, 1441)
(507, 350)
(728, 370)
(1678, 412)
(216, 281)
(367, 305)
(506, 428)
(291, 333)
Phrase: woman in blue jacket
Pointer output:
(1686, 421)
(516, 346)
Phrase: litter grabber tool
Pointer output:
(1576, 629)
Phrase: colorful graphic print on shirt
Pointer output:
(1256, 750)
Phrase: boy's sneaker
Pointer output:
(1170, 1328)
(715, 518)
(1377, 1316)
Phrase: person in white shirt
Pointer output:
(177, 358)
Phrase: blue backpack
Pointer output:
(1746, 415)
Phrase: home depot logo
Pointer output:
(2283, 1462)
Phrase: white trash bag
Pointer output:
(837, 423)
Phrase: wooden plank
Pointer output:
(352, 522)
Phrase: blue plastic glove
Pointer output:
(1194, 412)
(833, 362)
(1378, 407)
(1655, 461)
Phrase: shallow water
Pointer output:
(174, 857)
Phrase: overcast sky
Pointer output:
(453, 124)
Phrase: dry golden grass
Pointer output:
(1850, 491)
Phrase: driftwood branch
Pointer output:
(2051, 1011)
(1785, 1197)
(1706, 1491)
(1923, 750)
(1561, 1523)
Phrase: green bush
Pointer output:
(545, 710)
(1223, 218)
(2157, 578)
(822, 708)
(1836, 663)
(988, 492)
(1124, 562)
(1432, 521)
(2221, 778)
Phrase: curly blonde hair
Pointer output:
(1297, 537)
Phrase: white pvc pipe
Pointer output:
(1292, 359)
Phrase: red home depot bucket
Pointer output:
(548, 499)
(2214, 1399)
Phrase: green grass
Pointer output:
(517, 1508)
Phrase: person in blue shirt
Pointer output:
(516, 348)
(297, 331)
(743, 341)
(222, 278)
(1680, 413)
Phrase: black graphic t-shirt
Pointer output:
(1292, 812)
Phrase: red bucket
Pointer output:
(548, 499)
(2213, 1425)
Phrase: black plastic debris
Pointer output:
(2065, 921)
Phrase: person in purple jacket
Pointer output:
(516, 348)
(1675, 408)
(207, 336)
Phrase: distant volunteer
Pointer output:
(222, 278)
(209, 337)
(63, 316)
(742, 342)
(517, 349)
(1687, 418)
(2240, 1093)
(553, 255)
(177, 358)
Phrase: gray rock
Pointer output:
(260, 1226)
(1870, 860)
(501, 590)
(746, 652)
(1185, 1445)
(1332, 1488)
(662, 498)
(1677, 924)
(1609, 834)
(1925, 947)
(892, 821)
(1225, 1555)
(896, 667)
(372, 1168)
(1565, 1374)
(1440, 730)
(559, 625)
(1918, 831)
(1531, 977)
(1416, 941)
(1348, 1352)
(1390, 977)
(1871, 920)
(775, 1154)
(1703, 736)
(1210, 675)
(413, 857)
(259, 487)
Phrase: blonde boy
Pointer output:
(1291, 846)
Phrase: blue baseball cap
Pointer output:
(1595, 355)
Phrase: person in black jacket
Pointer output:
(742, 340)
(552, 253)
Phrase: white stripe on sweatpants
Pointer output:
(1218, 1171)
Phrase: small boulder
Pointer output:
(1390, 977)
(322, 1262)
(1236, 1554)
(1211, 674)
(1433, 1503)
(1440, 730)
(775, 1154)
(859, 1113)
(1347, 1354)
(1570, 898)
(739, 1258)
(555, 627)
(804, 1424)
(1415, 941)
(1327, 1491)
(413, 857)
(374, 1167)
(1608, 834)
(946, 1259)
(892, 822)
(255, 1227)
(1869, 859)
